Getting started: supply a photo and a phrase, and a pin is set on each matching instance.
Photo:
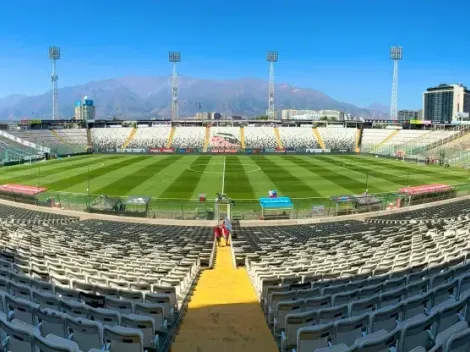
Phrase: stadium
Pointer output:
(345, 236)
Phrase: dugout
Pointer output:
(367, 202)
(343, 205)
(276, 208)
(427, 193)
(104, 204)
(135, 206)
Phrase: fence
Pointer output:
(241, 209)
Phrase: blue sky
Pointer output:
(340, 47)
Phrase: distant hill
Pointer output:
(145, 97)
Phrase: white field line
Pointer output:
(223, 176)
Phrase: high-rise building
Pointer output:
(84, 109)
(407, 115)
(445, 102)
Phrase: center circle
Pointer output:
(203, 169)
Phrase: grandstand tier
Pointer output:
(400, 282)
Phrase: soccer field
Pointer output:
(239, 176)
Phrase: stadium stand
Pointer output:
(338, 138)
(93, 284)
(361, 285)
(188, 137)
(260, 137)
(59, 141)
(109, 138)
(298, 138)
(387, 142)
(150, 137)
(225, 138)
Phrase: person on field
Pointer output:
(225, 233)
(217, 234)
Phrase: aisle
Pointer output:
(224, 314)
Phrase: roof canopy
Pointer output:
(134, 200)
(276, 203)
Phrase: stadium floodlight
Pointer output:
(396, 54)
(271, 57)
(174, 57)
(54, 55)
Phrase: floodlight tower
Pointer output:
(271, 57)
(174, 57)
(54, 55)
(396, 54)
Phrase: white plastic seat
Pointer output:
(386, 318)
(283, 309)
(154, 310)
(108, 317)
(66, 293)
(52, 343)
(417, 305)
(144, 324)
(417, 333)
(392, 297)
(74, 308)
(450, 314)
(19, 336)
(311, 338)
(459, 342)
(134, 296)
(362, 306)
(317, 303)
(46, 300)
(51, 322)
(121, 339)
(293, 323)
(20, 291)
(86, 333)
(443, 293)
(332, 314)
(42, 286)
(167, 290)
(120, 305)
(165, 301)
(350, 329)
(443, 338)
(22, 309)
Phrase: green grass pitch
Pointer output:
(245, 177)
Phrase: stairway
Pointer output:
(170, 137)
(278, 138)
(389, 137)
(59, 137)
(129, 139)
(207, 138)
(88, 137)
(357, 147)
(224, 313)
(242, 137)
(319, 138)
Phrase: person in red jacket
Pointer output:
(217, 234)
(225, 233)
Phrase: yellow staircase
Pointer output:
(59, 137)
(278, 138)
(319, 138)
(242, 137)
(170, 137)
(129, 139)
(357, 149)
(224, 313)
(207, 138)
(389, 137)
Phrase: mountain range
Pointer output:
(147, 97)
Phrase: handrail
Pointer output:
(234, 260)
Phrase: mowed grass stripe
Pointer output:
(14, 169)
(389, 177)
(236, 180)
(183, 187)
(95, 173)
(409, 168)
(285, 182)
(129, 182)
(45, 173)
(339, 178)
